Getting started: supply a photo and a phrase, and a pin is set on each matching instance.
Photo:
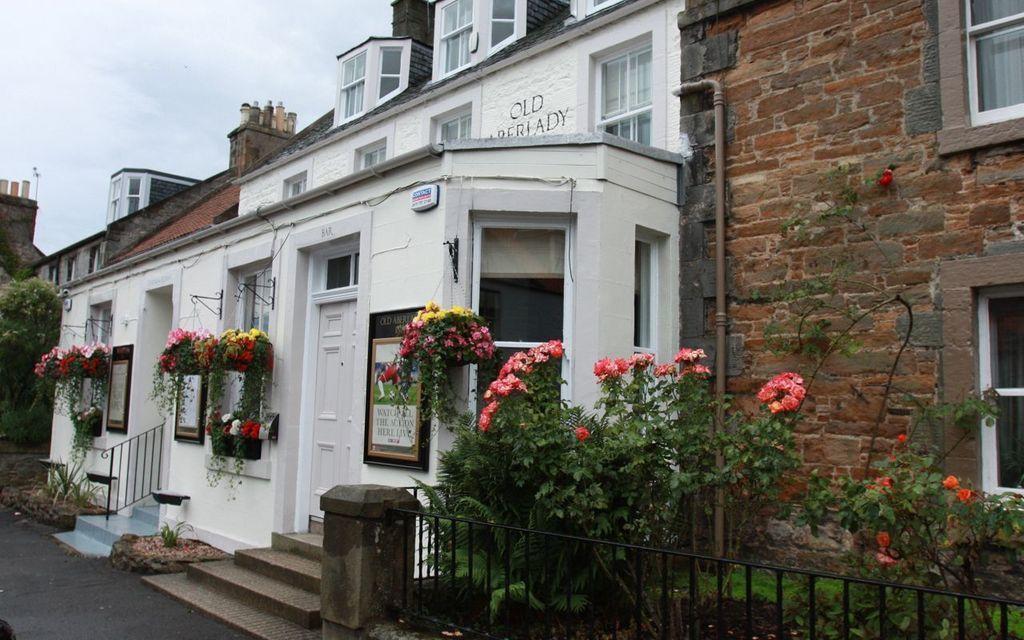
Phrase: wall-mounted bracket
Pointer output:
(217, 300)
(265, 293)
(453, 255)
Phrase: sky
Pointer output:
(92, 86)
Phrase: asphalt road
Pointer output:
(47, 594)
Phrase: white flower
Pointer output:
(226, 418)
(234, 428)
(264, 432)
(235, 424)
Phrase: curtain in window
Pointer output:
(1001, 69)
(1008, 373)
(988, 10)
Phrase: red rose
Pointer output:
(582, 433)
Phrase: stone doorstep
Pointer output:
(283, 566)
(228, 610)
(258, 591)
(307, 545)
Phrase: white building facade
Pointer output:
(548, 135)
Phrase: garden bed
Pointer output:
(34, 502)
(148, 555)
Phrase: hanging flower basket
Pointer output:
(437, 340)
(244, 350)
(69, 369)
(186, 353)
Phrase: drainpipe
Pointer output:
(718, 97)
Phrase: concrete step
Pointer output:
(258, 591)
(286, 567)
(307, 545)
(82, 544)
(147, 514)
(228, 610)
(107, 531)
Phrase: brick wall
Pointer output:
(812, 85)
(18, 222)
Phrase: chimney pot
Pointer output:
(3, 187)
(279, 117)
(14, 188)
(25, 188)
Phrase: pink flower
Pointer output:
(885, 559)
(783, 393)
(606, 369)
(487, 415)
(664, 370)
(696, 369)
(582, 433)
(689, 356)
(641, 361)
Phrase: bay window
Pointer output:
(353, 79)
(456, 31)
(1001, 356)
(995, 59)
(625, 101)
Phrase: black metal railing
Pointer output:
(498, 581)
(133, 469)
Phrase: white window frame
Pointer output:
(593, 6)
(450, 118)
(100, 324)
(568, 290)
(368, 151)
(115, 199)
(445, 38)
(94, 259)
(128, 195)
(989, 452)
(70, 267)
(343, 87)
(627, 53)
(402, 72)
(319, 293)
(654, 254)
(244, 315)
(299, 179)
(518, 9)
(974, 32)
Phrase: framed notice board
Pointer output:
(120, 388)
(396, 432)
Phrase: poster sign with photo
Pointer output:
(119, 392)
(188, 415)
(396, 433)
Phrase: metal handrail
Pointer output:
(428, 569)
(135, 481)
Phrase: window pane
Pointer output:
(1010, 441)
(465, 12)
(643, 128)
(133, 204)
(388, 85)
(456, 51)
(134, 186)
(450, 18)
(339, 272)
(374, 156)
(613, 87)
(457, 128)
(1000, 70)
(1007, 325)
(257, 301)
(642, 295)
(501, 31)
(640, 95)
(988, 10)
(504, 9)
(354, 100)
(391, 61)
(522, 283)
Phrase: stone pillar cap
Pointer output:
(366, 500)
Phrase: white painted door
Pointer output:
(333, 401)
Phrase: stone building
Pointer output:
(17, 227)
(847, 89)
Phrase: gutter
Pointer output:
(721, 310)
(261, 213)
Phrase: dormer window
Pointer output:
(373, 73)
(134, 189)
(503, 23)
(456, 31)
(353, 85)
(583, 8)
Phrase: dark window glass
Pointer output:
(339, 272)
(1007, 325)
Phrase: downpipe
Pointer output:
(721, 317)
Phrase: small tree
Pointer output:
(30, 313)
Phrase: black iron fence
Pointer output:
(496, 581)
(132, 469)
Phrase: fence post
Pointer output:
(363, 556)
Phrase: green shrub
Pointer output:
(69, 483)
(26, 425)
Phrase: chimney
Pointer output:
(261, 131)
(412, 19)
(18, 219)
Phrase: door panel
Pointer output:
(333, 399)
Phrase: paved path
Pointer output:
(47, 594)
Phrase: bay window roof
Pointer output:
(375, 71)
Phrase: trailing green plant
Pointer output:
(171, 536)
(186, 353)
(68, 483)
(436, 341)
(79, 374)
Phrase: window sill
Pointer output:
(955, 140)
(251, 468)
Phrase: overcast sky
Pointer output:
(94, 86)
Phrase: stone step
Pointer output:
(307, 545)
(228, 610)
(286, 567)
(258, 591)
(107, 531)
(82, 544)
(147, 514)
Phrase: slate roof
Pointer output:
(217, 207)
(557, 24)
